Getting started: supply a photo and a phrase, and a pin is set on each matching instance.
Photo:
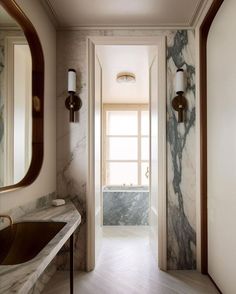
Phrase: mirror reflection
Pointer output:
(15, 102)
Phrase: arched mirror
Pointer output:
(21, 98)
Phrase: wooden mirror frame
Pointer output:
(37, 94)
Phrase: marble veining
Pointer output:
(20, 211)
(123, 207)
(21, 278)
(71, 140)
(43, 280)
(181, 165)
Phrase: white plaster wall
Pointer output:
(222, 148)
(46, 181)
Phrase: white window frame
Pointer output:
(124, 107)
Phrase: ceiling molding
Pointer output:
(50, 12)
(197, 13)
(202, 11)
(171, 26)
(7, 27)
(80, 28)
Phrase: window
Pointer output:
(126, 144)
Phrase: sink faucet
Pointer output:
(7, 216)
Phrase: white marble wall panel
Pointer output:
(181, 158)
(71, 141)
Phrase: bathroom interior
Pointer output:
(107, 184)
(125, 135)
(125, 142)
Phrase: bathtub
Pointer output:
(125, 206)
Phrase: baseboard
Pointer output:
(215, 284)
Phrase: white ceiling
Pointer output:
(77, 13)
(115, 59)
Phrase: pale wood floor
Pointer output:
(126, 266)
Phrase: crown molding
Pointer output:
(50, 12)
(7, 27)
(196, 12)
(164, 27)
(191, 24)
(200, 10)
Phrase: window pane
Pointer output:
(119, 173)
(145, 122)
(145, 149)
(122, 149)
(122, 122)
(145, 173)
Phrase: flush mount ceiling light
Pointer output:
(125, 77)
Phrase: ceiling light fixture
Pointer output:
(125, 77)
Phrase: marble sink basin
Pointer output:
(23, 241)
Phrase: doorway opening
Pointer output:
(126, 139)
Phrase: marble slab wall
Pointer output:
(181, 158)
(71, 141)
(125, 207)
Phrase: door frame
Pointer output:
(160, 42)
(203, 36)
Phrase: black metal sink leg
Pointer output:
(72, 264)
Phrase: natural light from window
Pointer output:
(126, 145)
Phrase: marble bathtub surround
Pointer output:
(125, 207)
(124, 187)
(22, 277)
(71, 140)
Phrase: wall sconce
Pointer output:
(73, 102)
(179, 103)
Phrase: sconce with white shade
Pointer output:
(73, 102)
(179, 103)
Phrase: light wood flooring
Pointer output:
(126, 266)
